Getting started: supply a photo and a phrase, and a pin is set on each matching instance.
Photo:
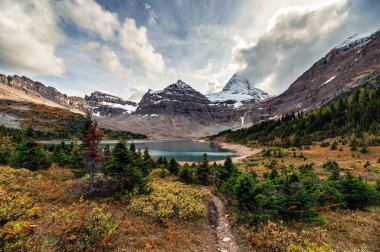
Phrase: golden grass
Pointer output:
(57, 212)
(344, 230)
(352, 161)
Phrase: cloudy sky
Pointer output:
(125, 47)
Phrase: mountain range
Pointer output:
(179, 111)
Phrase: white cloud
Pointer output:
(109, 59)
(91, 16)
(295, 38)
(137, 93)
(29, 35)
(136, 46)
(93, 45)
(152, 16)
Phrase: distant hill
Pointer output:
(49, 122)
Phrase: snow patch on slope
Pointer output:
(355, 41)
(324, 83)
(128, 108)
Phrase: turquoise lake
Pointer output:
(181, 150)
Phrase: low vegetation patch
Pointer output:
(172, 200)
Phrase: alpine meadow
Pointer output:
(206, 125)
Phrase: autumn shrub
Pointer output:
(163, 172)
(277, 236)
(309, 247)
(172, 200)
(14, 235)
(84, 226)
(274, 236)
(14, 207)
(9, 175)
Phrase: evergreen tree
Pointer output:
(29, 154)
(92, 152)
(132, 149)
(147, 164)
(357, 193)
(146, 155)
(107, 152)
(75, 158)
(59, 157)
(225, 171)
(159, 161)
(164, 162)
(86, 126)
(203, 171)
(173, 167)
(125, 172)
(186, 174)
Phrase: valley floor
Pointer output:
(56, 213)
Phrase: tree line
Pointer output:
(286, 193)
(353, 112)
(128, 168)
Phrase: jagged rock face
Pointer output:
(181, 111)
(176, 98)
(107, 105)
(179, 99)
(98, 97)
(345, 66)
(236, 91)
(37, 89)
(23, 89)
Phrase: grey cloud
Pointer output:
(297, 37)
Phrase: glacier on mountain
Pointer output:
(237, 90)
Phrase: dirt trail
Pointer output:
(219, 221)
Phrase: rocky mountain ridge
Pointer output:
(350, 64)
(181, 111)
(23, 89)
(97, 97)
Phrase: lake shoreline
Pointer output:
(239, 150)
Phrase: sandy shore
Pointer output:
(240, 151)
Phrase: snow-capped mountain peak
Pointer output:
(236, 90)
(181, 84)
(237, 84)
(355, 40)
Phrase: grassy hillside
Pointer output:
(53, 123)
(354, 112)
